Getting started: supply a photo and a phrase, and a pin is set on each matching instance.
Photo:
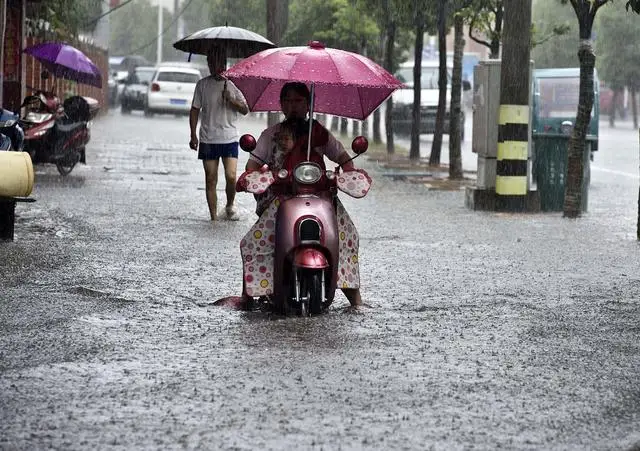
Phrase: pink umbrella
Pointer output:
(345, 83)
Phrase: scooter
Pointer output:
(56, 132)
(305, 238)
(11, 134)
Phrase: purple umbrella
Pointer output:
(66, 61)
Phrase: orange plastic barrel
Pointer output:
(16, 174)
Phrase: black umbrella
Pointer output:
(235, 42)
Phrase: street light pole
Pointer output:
(159, 42)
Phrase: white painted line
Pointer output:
(613, 171)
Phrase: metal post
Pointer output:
(159, 42)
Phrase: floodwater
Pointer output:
(481, 330)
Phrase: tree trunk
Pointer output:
(455, 148)
(388, 65)
(436, 146)
(577, 142)
(335, 120)
(634, 107)
(612, 109)
(364, 128)
(377, 134)
(344, 126)
(355, 127)
(277, 22)
(497, 35)
(414, 151)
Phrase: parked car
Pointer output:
(119, 69)
(171, 89)
(134, 94)
(429, 95)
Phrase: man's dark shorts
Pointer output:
(216, 151)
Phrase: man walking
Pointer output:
(218, 104)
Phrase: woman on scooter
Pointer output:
(295, 101)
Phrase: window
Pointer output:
(178, 77)
(144, 75)
(428, 80)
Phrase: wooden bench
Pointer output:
(8, 215)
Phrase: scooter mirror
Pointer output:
(247, 143)
(360, 145)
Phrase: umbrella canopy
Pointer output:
(346, 84)
(236, 42)
(66, 61)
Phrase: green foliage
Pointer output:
(67, 18)
(618, 33)
(342, 24)
(134, 30)
(559, 25)
(634, 5)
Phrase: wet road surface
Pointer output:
(481, 330)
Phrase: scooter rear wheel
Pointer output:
(65, 165)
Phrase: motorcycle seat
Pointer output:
(67, 128)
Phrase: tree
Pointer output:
(485, 19)
(554, 37)
(134, 30)
(585, 11)
(277, 21)
(619, 62)
(441, 24)
(68, 18)
(420, 24)
(391, 17)
(455, 150)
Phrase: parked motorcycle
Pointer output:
(57, 132)
(11, 134)
(298, 254)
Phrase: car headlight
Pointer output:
(307, 173)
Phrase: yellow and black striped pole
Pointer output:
(513, 116)
(513, 150)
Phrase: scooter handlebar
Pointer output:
(356, 183)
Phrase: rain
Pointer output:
(480, 328)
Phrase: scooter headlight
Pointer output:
(330, 175)
(307, 173)
(283, 174)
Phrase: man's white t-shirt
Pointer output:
(217, 121)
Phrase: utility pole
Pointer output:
(513, 116)
(159, 42)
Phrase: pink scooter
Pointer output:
(297, 254)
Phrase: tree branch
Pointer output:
(473, 38)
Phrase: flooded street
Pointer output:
(481, 330)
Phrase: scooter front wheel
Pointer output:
(311, 284)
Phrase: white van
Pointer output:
(429, 94)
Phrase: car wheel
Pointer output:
(148, 112)
(125, 108)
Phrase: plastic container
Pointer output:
(16, 174)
